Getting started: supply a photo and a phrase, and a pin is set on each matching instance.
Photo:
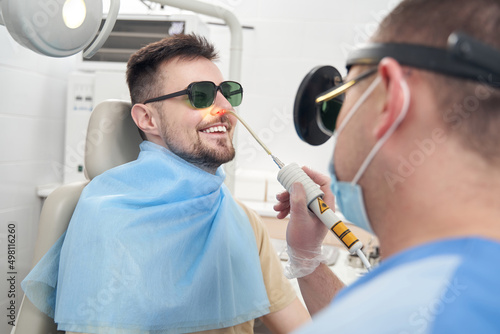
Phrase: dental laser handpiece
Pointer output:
(292, 173)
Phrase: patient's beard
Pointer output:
(207, 157)
(194, 150)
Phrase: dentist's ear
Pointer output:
(397, 96)
(145, 120)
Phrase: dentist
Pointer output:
(416, 159)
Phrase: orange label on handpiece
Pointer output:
(344, 234)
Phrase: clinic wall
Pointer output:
(32, 114)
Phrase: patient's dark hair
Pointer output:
(470, 108)
(143, 79)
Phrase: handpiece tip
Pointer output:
(363, 259)
(277, 161)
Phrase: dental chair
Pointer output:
(112, 140)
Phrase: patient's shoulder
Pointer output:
(253, 217)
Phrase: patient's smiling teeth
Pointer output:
(220, 128)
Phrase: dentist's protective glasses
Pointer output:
(330, 102)
(319, 100)
(321, 93)
(202, 94)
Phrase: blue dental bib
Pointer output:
(154, 246)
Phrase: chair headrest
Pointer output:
(112, 137)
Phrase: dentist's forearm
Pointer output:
(319, 288)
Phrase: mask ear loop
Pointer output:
(378, 145)
(358, 104)
(353, 110)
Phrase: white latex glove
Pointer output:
(305, 232)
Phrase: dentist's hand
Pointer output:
(305, 232)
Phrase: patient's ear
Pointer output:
(144, 118)
(392, 75)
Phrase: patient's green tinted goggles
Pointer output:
(202, 94)
(321, 93)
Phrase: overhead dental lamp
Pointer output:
(321, 92)
(58, 28)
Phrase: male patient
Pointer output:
(159, 245)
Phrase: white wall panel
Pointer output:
(32, 106)
(31, 139)
(29, 93)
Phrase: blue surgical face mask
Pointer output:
(349, 195)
